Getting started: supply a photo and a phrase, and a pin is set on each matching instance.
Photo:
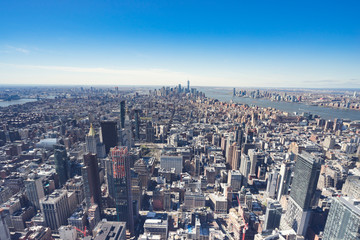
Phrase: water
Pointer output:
(13, 102)
(324, 112)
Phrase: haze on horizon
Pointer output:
(241, 44)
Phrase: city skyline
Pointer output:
(141, 43)
(176, 163)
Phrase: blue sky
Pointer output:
(211, 43)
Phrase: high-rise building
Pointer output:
(122, 114)
(351, 187)
(90, 173)
(119, 181)
(306, 175)
(285, 179)
(235, 161)
(272, 216)
(256, 159)
(245, 165)
(93, 216)
(93, 143)
(137, 124)
(235, 180)
(343, 221)
(150, 132)
(188, 85)
(34, 189)
(329, 142)
(230, 153)
(273, 183)
(239, 136)
(4, 230)
(55, 208)
(109, 134)
(62, 164)
(76, 185)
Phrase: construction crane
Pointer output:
(246, 225)
(83, 232)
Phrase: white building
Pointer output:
(156, 227)
(68, 233)
(55, 208)
(34, 189)
(194, 200)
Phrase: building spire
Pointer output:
(91, 131)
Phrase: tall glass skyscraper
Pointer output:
(119, 181)
(122, 114)
(306, 175)
(62, 164)
(90, 173)
(109, 134)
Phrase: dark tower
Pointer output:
(61, 163)
(306, 175)
(303, 189)
(122, 114)
(137, 124)
(150, 132)
(109, 134)
(239, 136)
(90, 173)
(120, 185)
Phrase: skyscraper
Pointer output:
(122, 114)
(236, 154)
(62, 164)
(93, 143)
(137, 124)
(285, 178)
(343, 221)
(119, 181)
(55, 208)
(239, 136)
(273, 183)
(150, 132)
(306, 175)
(90, 173)
(256, 159)
(272, 216)
(4, 230)
(34, 189)
(109, 134)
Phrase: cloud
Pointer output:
(17, 49)
(99, 70)
(67, 75)
(96, 75)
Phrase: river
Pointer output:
(325, 112)
(13, 102)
